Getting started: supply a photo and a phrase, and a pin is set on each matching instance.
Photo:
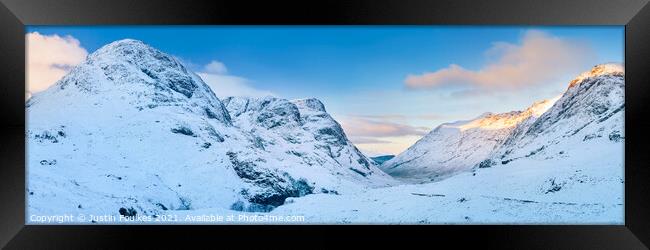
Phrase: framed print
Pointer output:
(517, 123)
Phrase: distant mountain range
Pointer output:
(382, 158)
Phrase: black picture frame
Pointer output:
(634, 14)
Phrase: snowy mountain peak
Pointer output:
(132, 73)
(614, 69)
(592, 107)
(134, 52)
(121, 44)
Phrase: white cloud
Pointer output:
(216, 67)
(387, 145)
(539, 59)
(224, 85)
(363, 127)
(399, 117)
(382, 134)
(367, 140)
(50, 57)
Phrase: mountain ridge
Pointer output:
(465, 145)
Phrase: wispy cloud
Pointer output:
(50, 57)
(216, 67)
(383, 117)
(384, 134)
(215, 74)
(430, 117)
(361, 127)
(397, 117)
(538, 59)
(367, 140)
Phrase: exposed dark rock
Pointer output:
(183, 130)
(130, 212)
(46, 136)
(185, 204)
(49, 163)
(554, 186)
(487, 163)
(616, 136)
(237, 206)
(359, 172)
(535, 151)
(276, 187)
(163, 207)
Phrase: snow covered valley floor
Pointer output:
(570, 197)
(526, 193)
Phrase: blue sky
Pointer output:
(361, 72)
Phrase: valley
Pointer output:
(133, 132)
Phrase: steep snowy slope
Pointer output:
(131, 130)
(589, 114)
(127, 128)
(332, 140)
(301, 133)
(459, 146)
(564, 167)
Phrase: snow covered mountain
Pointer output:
(302, 131)
(458, 146)
(589, 114)
(564, 165)
(131, 130)
(589, 109)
